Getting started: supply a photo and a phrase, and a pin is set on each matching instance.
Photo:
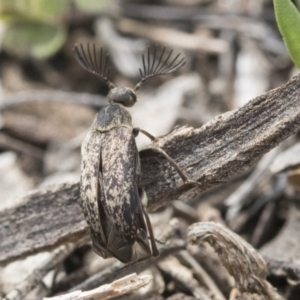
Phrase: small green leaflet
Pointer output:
(288, 20)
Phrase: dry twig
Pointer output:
(184, 276)
(14, 99)
(34, 280)
(7, 142)
(224, 147)
(117, 269)
(240, 259)
(173, 38)
(201, 274)
(117, 288)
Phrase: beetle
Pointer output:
(112, 200)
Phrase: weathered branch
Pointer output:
(13, 99)
(33, 280)
(224, 147)
(46, 219)
(117, 269)
(117, 288)
(242, 261)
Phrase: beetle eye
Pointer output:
(130, 100)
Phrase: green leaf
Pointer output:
(35, 39)
(34, 9)
(92, 5)
(288, 20)
(45, 8)
(10, 5)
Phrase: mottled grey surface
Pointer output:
(224, 147)
(110, 196)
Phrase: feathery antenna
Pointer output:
(87, 59)
(163, 66)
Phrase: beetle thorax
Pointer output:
(122, 95)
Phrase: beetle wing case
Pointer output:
(111, 199)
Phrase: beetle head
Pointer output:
(122, 95)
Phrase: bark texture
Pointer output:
(224, 147)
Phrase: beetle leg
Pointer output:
(136, 131)
(152, 239)
(144, 201)
(181, 173)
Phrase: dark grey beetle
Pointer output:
(112, 200)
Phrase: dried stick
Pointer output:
(70, 225)
(117, 270)
(224, 147)
(119, 287)
(13, 99)
(34, 280)
(202, 274)
(184, 276)
(241, 260)
(11, 143)
(172, 37)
